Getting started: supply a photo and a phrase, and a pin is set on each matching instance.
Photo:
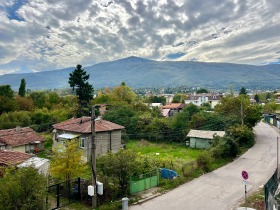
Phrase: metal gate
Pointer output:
(67, 192)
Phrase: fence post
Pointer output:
(79, 189)
(57, 195)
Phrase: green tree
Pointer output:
(23, 189)
(240, 109)
(179, 98)
(39, 98)
(6, 91)
(78, 81)
(22, 88)
(243, 91)
(257, 98)
(202, 90)
(119, 167)
(243, 135)
(122, 93)
(67, 161)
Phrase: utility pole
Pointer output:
(277, 156)
(242, 111)
(93, 157)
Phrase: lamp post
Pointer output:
(93, 157)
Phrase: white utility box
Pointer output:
(99, 186)
(90, 190)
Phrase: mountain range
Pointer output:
(139, 72)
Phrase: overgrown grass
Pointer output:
(176, 151)
(256, 200)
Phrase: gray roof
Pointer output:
(205, 134)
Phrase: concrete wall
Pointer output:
(19, 148)
(199, 143)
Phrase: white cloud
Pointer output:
(56, 34)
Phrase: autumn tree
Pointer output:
(67, 162)
(23, 189)
(78, 81)
(22, 88)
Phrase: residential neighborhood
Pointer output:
(153, 140)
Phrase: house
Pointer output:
(20, 159)
(172, 109)
(199, 99)
(107, 134)
(202, 139)
(21, 140)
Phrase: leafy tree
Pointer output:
(120, 166)
(23, 189)
(243, 91)
(39, 98)
(22, 88)
(156, 99)
(78, 82)
(13, 119)
(122, 93)
(25, 103)
(7, 104)
(6, 91)
(179, 98)
(240, 109)
(67, 161)
(202, 90)
(270, 108)
(224, 147)
(243, 135)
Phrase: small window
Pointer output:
(2, 147)
(82, 143)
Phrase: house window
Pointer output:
(2, 147)
(82, 142)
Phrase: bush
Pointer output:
(204, 161)
(224, 147)
(243, 135)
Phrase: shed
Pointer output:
(41, 164)
(202, 139)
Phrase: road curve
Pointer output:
(224, 188)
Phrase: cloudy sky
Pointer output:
(39, 35)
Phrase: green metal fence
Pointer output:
(144, 182)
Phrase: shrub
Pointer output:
(204, 161)
(224, 147)
(243, 135)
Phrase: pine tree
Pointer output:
(78, 81)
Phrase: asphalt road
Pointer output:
(224, 188)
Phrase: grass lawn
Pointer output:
(176, 151)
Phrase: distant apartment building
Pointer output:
(199, 99)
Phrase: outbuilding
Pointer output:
(202, 139)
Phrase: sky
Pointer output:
(41, 35)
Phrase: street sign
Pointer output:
(245, 175)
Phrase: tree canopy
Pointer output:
(22, 189)
(67, 161)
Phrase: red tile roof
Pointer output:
(19, 136)
(174, 106)
(8, 157)
(83, 125)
